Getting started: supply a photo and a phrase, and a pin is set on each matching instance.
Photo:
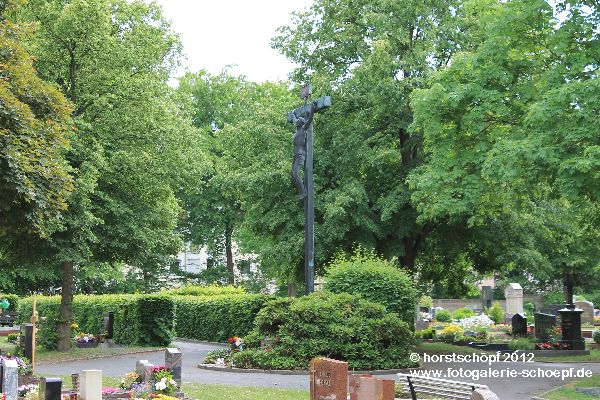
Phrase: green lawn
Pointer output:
(568, 392)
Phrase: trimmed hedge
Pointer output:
(375, 279)
(215, 318)
(213, 290)
(340, 326)
(13, 299)
(144, 320)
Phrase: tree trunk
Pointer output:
(66, 308)
(568, 288)
(229, 253)
(291, 289)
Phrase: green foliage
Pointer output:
(34, 137)
(427, 333)
(529, 308)
(340, 326)
(376, 280)
(594, 298)
(13, 301)
(521, 344)
(443, 316)
(553, 298)
(139, 319)
(216, 318)
(426, 301)
(596, 335)
(463, 313)
(496, 313)
(11, 337)
(214, 290)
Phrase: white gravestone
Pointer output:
(588, 311)
(514, 298)
(10, 379)
(91, 384)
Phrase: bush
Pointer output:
(13, 301)
(521, 344)
(463, 313)
(426, 301)
(443, 316)
(427, 333)
(553, 298)
(496, 313)
(137, 322)
(340, 326)
(529, 309)
(376, 280)
(594, 297)
(214, 290)
(452, 333)
(596, 335)
(215, 318)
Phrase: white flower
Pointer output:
(474, 322)
(239, 342)
(173, 383)
(220, 361)
(160, 385)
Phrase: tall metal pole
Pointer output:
(309, 215)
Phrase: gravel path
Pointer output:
(193, 353)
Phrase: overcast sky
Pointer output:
(217, 33)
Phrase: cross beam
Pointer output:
(319, 105)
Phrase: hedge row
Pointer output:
(218, 317)
(13, 300)
(214, 290)
(143, 320)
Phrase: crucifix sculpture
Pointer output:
(302, 118)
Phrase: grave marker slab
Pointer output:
(328, 379)
(514, 298)
(368, 387)
(519, 325)
(10, 379)
(543, 322)
(109, 324)
(173, 361)
(91, 384)
(588, 311)
(50, 389)
(26, 340)
(144, 369)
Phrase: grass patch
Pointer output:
(567, 392)
(594, 356)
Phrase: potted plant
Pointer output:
(86, 340)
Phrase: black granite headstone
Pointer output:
(26, 340)
(109, 324)
(571, 328)
(543, 323)
(519, 325)
(50, 388)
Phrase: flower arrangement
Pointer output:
(452, 333)
(551, 346)
(163, 380)
(554, 334)
(23, 390)
(2, 396)
(130, 379)
(475, 322)
(111, 390)
(237, 343)
(33, 394)
(85, 338)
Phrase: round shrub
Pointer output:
(596, 335)
(496, 313)
(443, 316)
(463, 313)
(376, 280)
(340, 326)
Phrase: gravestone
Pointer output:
(367, 387)
(328, 379)
(514, 298)
(91, 384)
(50, 389)
(487, 296)
(571, 327)
(519, 325)
(173, 361)
(144, 369)
(543, 322)
(9, 378)
(109, 325)
(483, 394)
(587, 318)
(74, 386)
(26, 340)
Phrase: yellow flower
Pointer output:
(74, 326)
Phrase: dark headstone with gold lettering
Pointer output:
(570, 317)
(328, 379)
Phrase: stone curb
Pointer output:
(97, 357)
(212, 367)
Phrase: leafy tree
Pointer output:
(132, 152)
(34, 136)
(510, 137)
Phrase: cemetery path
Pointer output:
(508, 388)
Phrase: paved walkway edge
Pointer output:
(213, 367)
